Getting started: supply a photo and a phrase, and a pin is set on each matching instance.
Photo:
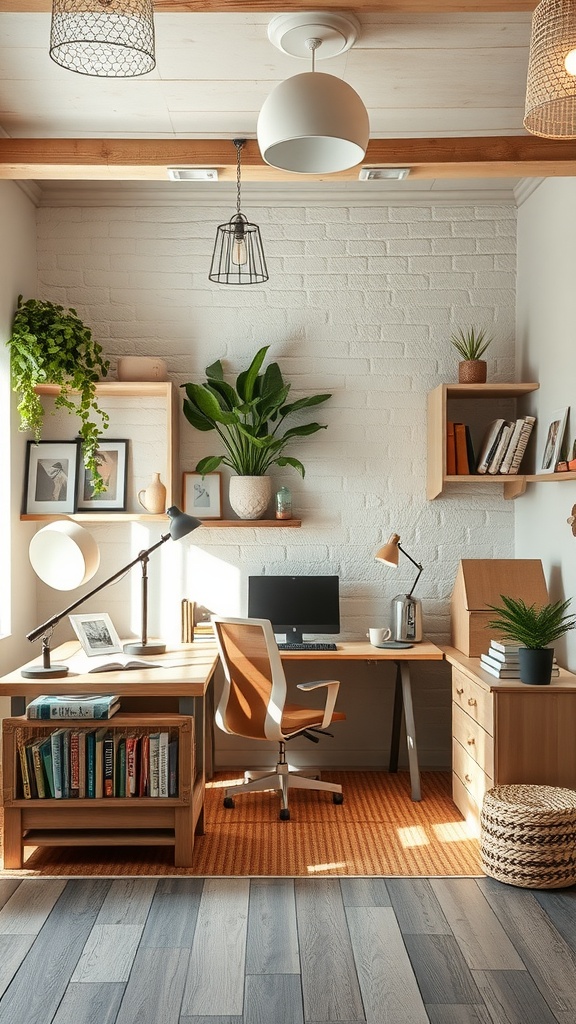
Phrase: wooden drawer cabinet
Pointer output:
(505, 732)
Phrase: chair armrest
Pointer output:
(332, 685)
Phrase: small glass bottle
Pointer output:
(283, 503)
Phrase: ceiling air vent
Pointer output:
(192, 173)
(379, 173)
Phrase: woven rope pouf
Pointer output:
(528, 836)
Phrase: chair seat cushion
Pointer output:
(296, 717)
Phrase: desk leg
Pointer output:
(410, 730)
(396, 722)
(17, 706)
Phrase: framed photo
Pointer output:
(112, 459)
(51, 474)
(553, 437)
(96, 633)
(202, 495)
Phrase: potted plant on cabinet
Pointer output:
(471, 345)
(248, 418)
(51, 345)
(533, 629)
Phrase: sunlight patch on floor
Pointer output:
(455, 831)
(336, 866)
(414, 835)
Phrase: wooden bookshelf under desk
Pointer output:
(172, 696)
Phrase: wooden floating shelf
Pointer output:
(267, 523)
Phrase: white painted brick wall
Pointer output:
(361, 302)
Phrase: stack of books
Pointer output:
(94, 764)
(81, 706)
(503, 662)
(504, 444)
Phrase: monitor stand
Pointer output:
(294, 637)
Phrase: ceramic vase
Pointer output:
(250, 495)
(153, 498)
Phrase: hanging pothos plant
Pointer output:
(51, 345)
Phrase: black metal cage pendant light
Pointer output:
(238, 256)
(104, 38)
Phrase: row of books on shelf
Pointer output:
(502, 660)
(84, 764)
(501, 451)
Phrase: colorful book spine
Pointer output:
(108, 756)
(54, 709)
(81, 764)
(144, 777)
(38, 769)
(20, 746)
(56, 743)
(529, 422)
(163, 765)
(120, 784)
(46, 754)
(132, 743)
(173, 768)
(154, 784)
(74, 763)
(91, 765)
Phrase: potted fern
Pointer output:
(533, 629)
(249, 420)
(471, 344)
(51, 345)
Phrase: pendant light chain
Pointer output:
(239, 143)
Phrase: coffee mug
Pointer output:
(378, 636)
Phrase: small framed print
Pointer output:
(202, 495)
(51, 475)
(553, 437)
(112, 460)
(96, 633)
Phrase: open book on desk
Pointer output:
(83, 664)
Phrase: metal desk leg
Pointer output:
(396, 722)
(410, 730)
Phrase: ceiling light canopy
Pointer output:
(103, 38)
(551, 86)
(313, 123)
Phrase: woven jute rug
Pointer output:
(378, 830)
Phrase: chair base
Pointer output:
(282, 779)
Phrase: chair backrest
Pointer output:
(254, 691)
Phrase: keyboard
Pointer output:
(307, 647)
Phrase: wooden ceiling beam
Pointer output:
(274, 6)
(147, 159)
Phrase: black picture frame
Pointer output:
(112, 455)
(50, 479)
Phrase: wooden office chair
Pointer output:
(253, 704)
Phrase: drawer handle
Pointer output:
(460, 691)
(472, 702)
(468, 778)
(471, 741)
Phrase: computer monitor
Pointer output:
(296, 604)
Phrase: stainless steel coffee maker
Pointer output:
(406, 621)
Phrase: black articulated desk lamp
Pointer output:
(180, 526)
(406, 610)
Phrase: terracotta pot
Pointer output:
(250, 495)
(472, 371)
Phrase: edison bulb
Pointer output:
(239, 254)
(570, 62)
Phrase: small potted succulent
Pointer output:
(51, 345)
(249, 419)
(471, 344)
(533, 629)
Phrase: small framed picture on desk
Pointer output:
(96, 633)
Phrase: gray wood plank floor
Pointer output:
(285, 951)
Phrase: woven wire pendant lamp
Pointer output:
(551, 86)
(238, 256)
(104, 38)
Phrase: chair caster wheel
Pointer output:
(338, 798)
(228, 801)
(284, 814)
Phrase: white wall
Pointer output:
(361, 302)
(545, 352)
(17, 275)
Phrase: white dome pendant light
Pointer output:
(313, 123)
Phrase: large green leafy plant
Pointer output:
(248, 417)
(51, 345)
(529, 626)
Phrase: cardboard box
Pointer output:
(482, 581)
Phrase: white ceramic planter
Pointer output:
(250, 495)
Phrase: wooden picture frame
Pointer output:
(112, 456)
(96, 633)
(202, 495)
(553, 438)
(50, 477)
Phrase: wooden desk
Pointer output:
(402, 657)
(172, 695)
